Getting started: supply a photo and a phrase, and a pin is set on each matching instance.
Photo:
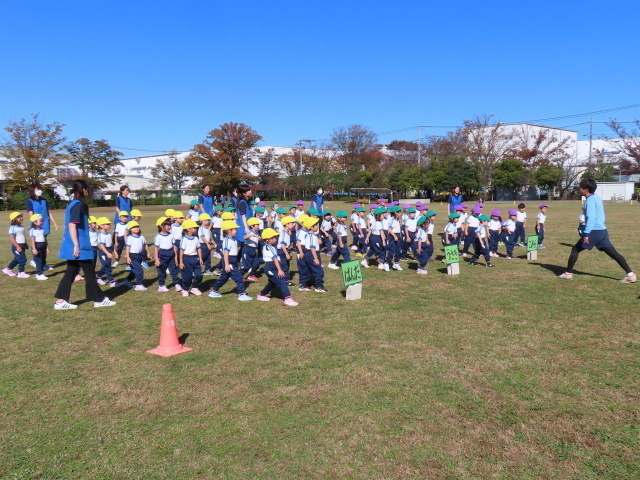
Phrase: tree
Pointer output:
(404, 151)
(444, 172)
(357, 146)
(599, 170)
(223, 159)
(548, 176)
(511, 174)
(33, 150)
(542, 147)
(172, 173)
(405, 178)
(628, 138)
(98, 164)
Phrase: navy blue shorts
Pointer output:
(598, 239)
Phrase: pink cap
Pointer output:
(458, 208)
(464, 205)
(383, 200)
(262, 204)
(418, 203)
(373, 205)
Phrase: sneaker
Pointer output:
(333, 266)
(354, 248)
(167, 272)
(128, 268)
(115, 284)
(520, 245)
(321, 290)
(178, 288)
(262, 298)
(42, 277)
(473, 264)
(217, 255)
(127, 284)
(566, 276)
(78, 278)
(397, 267)
(304, 289)
(381, 266)
(196, 292)
(252, 278)
(489, 265)
(140, 288)
(101, 281)
(629, 279)
(541, 246)
(33, 264)
(463, 255)
(6, 271)
(47, 267)
(364, 263)
(421, 271)
(290, 302)
(217, 272)
(359, 255)
(290, 284)
(509, 258)
(244, 297)
(115, 264)
(214, 294)
(208, 272)
(185, 293)
(23, 275)
(386, 267)
(64, 305)
(145, 265)
(163, 288)
(104, 303)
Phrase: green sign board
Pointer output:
(351, 272)
(532, 243)
(451, 254)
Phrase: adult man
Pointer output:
(595, 233)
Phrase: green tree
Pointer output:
(446, 171)
(98, 163)
(223, 159)
(511, 174)
(548, 176)
(599, 171)
(406, 178)
(172, 173)
(33, 150)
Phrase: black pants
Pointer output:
(91, 284)
(611, 251)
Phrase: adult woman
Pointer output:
(37, 204)
(455, 198)
(123, 203)
(76, 249)
(244, 211)
(317, 200)
(206, 201)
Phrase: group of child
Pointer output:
(185, 246)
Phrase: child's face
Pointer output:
(92, 225)
(166, 227)
(412, 215)
(196, 207)
(137, 219)
(206, 223)
(255, 228)
(135, 230)
(314, 228)
(40, 221)
(454, 220)
(272, 240)
(105, 227)
(123, 219)
(521, 209)
(292, 210)
(179, 221)
(192, 230)
(232, 233)
(544, 210)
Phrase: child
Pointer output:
(18, 247)
(105, 252)
(481, 243)
(304, 273)
(273, 214)
(276, 275)
(508, 229)
(166, 255)
(136, 247)
(451, 235)
(250, 258)
(176, 229)
(216, 223)
(169, 213)
(299, 208)
(360, 229)
(311, 254)
(353, 219)
(118, 235)
(431, 218)
(230, 263)
(495, 223)
(327, 233)
(341, 238)
(540, 219)
(284, 245)
(462, 222)
(93, 237)
(377, 241)
(39, 246)
(410, 226)
(260, 213)
(205, 242)
(521, 223)
(470, 231)
(137, 216)
(420, 243)
(293, 211)
(194, 211)
(393, 248)
(190, 259)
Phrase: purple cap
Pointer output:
(479, 205)
(423, 208)
(458, 208)
(495, 212)
(356, 205)
(299, 202)
(262, 204)
(464, 205)
(373, 205)
(397, 202)
(418, 203)
(406, 205)
(476, 209)
(512, 211)
(543, 205)
(383, 200)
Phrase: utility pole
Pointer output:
(420, 127)
(590, 137)
(300, 142)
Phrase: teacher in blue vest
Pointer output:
(206, 201)
(317, 201)
(455, 198)
(37, 204)
(76, 249)
(243, 211)
(123, 203)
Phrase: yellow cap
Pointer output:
(302, 218)
(229, 224)
(103, 221)
(161, 220)
(269, 233)
(310, 222)
(92, 219)
(287, 219)
(204, 216)
(189, 224)
(132, 224)
(177, 214)
(228, 216)
(36, 216)
(13, 215)
(253, 221)
(136, 213)
(169, 212)
(123, 213)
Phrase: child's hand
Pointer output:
(109, 255)
(316, 262)
(19, 249)
(227, 268)
(281, 274)
(35, 251)
(47, 250)
(127, 260)
(181, 266)
(448, 242)
(201, 262)
(288, 256)
(157, 263)
(419, 251)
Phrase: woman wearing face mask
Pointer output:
(123, 203)
(37, 204)
(317, 200)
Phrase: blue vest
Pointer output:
(207, 203)
(66, 245)
(40, 206)
(241, 232)
(123, 203)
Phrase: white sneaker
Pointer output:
(178, 288)
(422, 271)
(104, 303)
(23, 275)
(163, 288)
(354, 248)
(364, 263)
(185, 293)
(381, 266)
(115, 284)
(114, 264)
(42, 277)
(333, 266)
(101, 281)
(196, 292)
(629, 279)
(140, 288)
(64, 305)
(397, 267)
(6, 271)
(32, 263)
(386, 267)
(566, 276)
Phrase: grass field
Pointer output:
(506, 373)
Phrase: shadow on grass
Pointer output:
(557, 270)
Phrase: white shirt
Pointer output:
(473, 221)
(216, 222)
(206, 233)
(120, 229)
(510, 224)
(421, 234)
(451, 228)
(194, 215)
(521, 216)
(463, 219)
(136, 243)
(494, 224)
(273, 214)
(341, 229)
(93, 237)
(482, 231)
(38, 235)
(327, 225)
(164, 241)
(176, 231)
(376, 227)
(301, 236)
(261, 222)
(231, 245)
(189, 245)
(277, 225)
(298, 213)
(311, 241)
(394, 225)
(269, 253)
(385, 223)
(18, 232)
(431, 228)
(411, 224)
(284, 240)
(354, 217)
(253, 240)
(360, 222)
(542, 217)
(105, 239)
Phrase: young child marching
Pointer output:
(481, 243)
(39, 246)
(18, 242)
(508, 233)
(410, 227)
(421, 244)
(250, 257)
(341, 241)
(520, 238)
(118, 236)
(393, 248)
(105, 253)
(495, 224)
(311, 250)
(166, 258)
(206, 242)
(377, 241)
(276, 276)
(135, 250)
(230, 263)
(284, 245)
(450, 236)
(190, 259)
(540, 220)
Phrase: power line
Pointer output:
(575, 115)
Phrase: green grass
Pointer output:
(495, 373)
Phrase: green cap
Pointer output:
(194, 202)
(431, 213)
(259, 210)
(217, 208)
(253, 202)
(273, 204)
(484, 218)
(292, 206)
(395, 208)
(379, 210)
(454, 215)
(341, 214)
(314, 211)
(229, 209)
(228, 204)
(411, 210)
(326, 212)
(421, 220)
(361, 209)
(281, 210)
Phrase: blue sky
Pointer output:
(160, 75)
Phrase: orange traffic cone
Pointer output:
(169, 343)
